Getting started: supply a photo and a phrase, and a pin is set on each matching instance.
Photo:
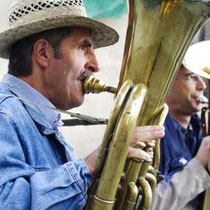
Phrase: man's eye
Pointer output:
(84, 47)
(194, 77)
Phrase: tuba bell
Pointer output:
(158, 35)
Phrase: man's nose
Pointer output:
(201, 85)
(92, 63)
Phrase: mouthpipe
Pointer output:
(93, 85)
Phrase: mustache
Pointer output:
(84, 75)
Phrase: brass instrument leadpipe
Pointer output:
(93, 85)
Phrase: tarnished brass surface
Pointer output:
(158, 35)
(131, 197)
(146, 195)
(109, 180)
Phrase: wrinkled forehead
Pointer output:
(82, 32)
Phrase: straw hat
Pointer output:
(197, 59)
(27, 17)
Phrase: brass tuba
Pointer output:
(158, 35)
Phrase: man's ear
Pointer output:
(42, 52)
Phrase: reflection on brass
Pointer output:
(168, 6)
(158, 35)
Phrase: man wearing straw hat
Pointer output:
(50, 47)
(184, 151)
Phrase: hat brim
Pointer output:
(102, 35)
(197, 59)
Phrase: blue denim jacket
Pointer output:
(38, 169)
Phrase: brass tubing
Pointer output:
(144, 169)
(151, 170)
(146, 194)
(145, 164)
(158, 35)
(206, 202)
(119, 104)
(161, 50)
(112, 170)
(152, 181)
(136, 170)
(131, 175)
(162, 112)
(91, 193)
(131, 197)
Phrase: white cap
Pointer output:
(197, 59)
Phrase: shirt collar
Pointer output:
(22, 90)
(194, 123)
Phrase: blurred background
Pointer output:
(113, 13)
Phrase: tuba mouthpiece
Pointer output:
(93, 85)
(203, 99)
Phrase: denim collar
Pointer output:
(51, 119)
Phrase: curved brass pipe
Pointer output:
(131, 197)
(152, 181)
(119, 104)
(146, 194)
(106, 191)
(151, 170)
